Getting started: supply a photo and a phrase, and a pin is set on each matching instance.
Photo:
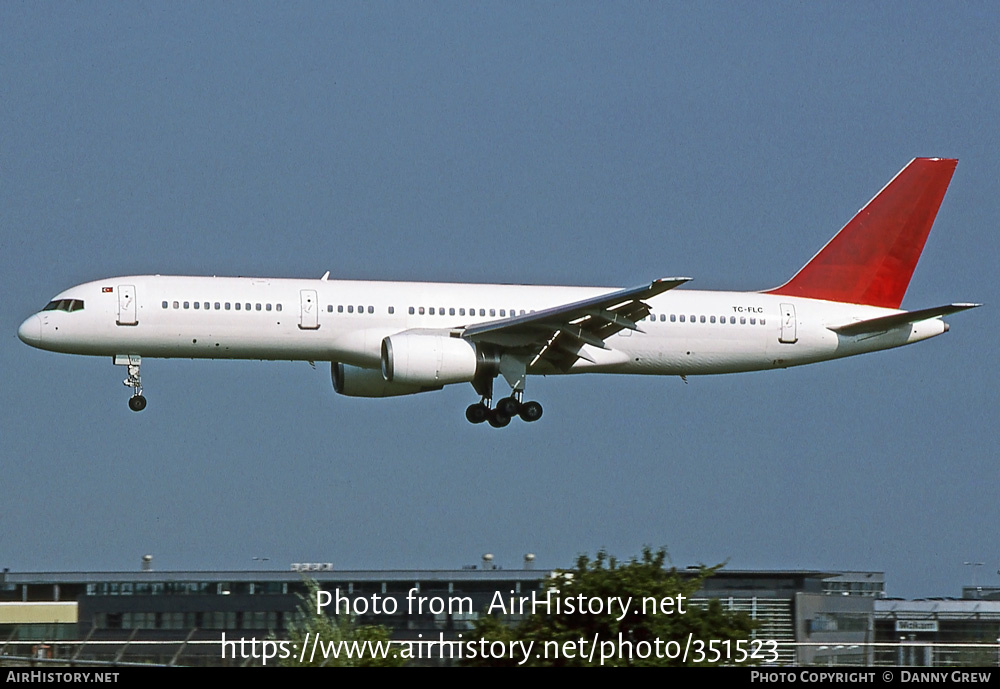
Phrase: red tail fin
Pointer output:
(871, 260)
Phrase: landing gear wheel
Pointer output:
(498, 419)
(508, 406)
(137, 403)
(530, 411)
(477, 413)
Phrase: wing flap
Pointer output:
(558, 335)
(558, 316)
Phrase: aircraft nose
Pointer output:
(30, 331)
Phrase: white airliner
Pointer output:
(400, 338)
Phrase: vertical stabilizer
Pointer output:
(871, 260)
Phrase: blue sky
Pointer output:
(563, 143)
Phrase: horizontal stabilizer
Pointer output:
(883, 323)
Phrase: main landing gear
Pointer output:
(505, 409)
(136, 402)
(514, 370)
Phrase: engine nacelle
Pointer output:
(353, 381)
(413, 358)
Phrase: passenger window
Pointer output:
(392, 309)
(753, 321)
(692, 319)
(267, 307)
(411, 310)
(350, 308)
(164, 304)
(682, 318)
(482, 312)
(258, 306)
(712, 319)
(239, 306)
(762, 321)
(461, 312)
(207, 306)
(227, 306)
(197, 305)
(277, 307)
(371, 309)
(340, 308)
(421, 310)
(732, 320)
(451, 311)
(187, 304)
(702, 319)
(361, 309)
(177, 305)
(493, 312)
(743, 320)
(673, 318)
(432, 310)
(502, 313)
(218, 306)
(247, 306)
(329, 308)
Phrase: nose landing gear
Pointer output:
(136, 402)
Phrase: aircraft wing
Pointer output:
(558, 334)
(883, 323)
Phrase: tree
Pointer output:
(336, 632)
(655, 629)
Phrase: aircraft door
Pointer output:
(126, 306)
(309, 316)
(788, 325)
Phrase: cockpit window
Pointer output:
(67, 305)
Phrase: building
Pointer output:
(824, 618)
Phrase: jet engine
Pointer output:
(424, 359)
(353, 381)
